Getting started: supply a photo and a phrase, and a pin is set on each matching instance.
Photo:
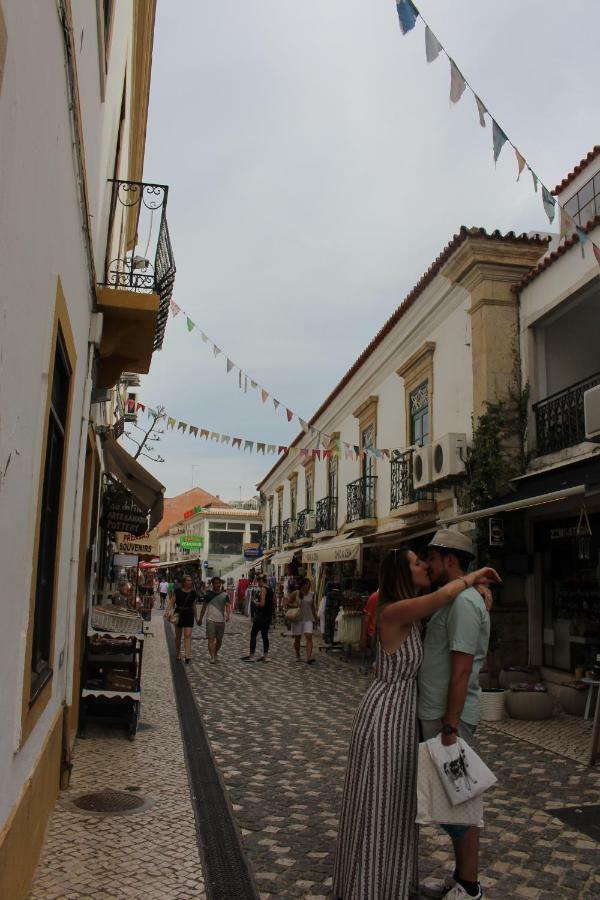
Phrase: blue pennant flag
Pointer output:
(549, 203)
(407, 14)
(499, 139)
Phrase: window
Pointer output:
(585, 204)
(293, 500)
(255, 531)
(214, 526)
(309, 490)
(49, 521)
(270, 513)
(236, 526)
(226, 543)
(332, 476)
(367, 443)
(419, 415)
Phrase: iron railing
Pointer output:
(272, 538)
(403, 490)
(303, 523)
(560, 420)
(326, 514)
(148, 265)
(361, 498)
(288, 531)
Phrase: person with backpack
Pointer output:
(217, 609)
(261, 621)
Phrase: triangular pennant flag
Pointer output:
(356, 449)
(253, 384)
(481, 110)
(316, 454)
(190, 324)
(346, 444)
(596, 253)
(152, 413)
(182, 426)
(140, 406)
(204, 433)
(271, 448)
(174, 308)
(204, 337)
(248, 445)
(303, 424)
(457, 83)
(282, 449)
(535, 179)
(289, 414)
(432, 45)
(567, 225)
(498, 139)
(327, 454)
(304, 452)
(230, 365)
(549, 203)
(520, 163)
(350, 454)
(216, 350)
(264, 396)
(236, 442)
(386, 453)
(275, 403)
(583, 239)
(407, 15)
(260, 448)
(240, 379)
(314, 431)
(194, 430)
(214, 436)
(130, 406)
(225, 439)
(171, 423)
(378, 453)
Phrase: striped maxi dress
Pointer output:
(376, 857)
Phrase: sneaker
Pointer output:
(437, 887)
(248, 658)
(264, 658)
(458, 893)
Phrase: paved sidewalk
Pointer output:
(151, 854)
(280, 730)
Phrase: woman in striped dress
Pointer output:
(376, 856)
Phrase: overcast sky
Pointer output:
(316, 168)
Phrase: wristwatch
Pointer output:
(449, 729)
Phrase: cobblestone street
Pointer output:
(280, 730)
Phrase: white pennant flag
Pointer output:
(457, 83)
(432, 45)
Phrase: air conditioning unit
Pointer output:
(591, 410)
(448, 456)
(421, 465)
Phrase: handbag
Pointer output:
(174, 617)
(433, 805)
(462, 773)
(292, 614)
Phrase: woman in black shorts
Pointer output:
(184, 600)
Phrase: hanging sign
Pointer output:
(251, 551)
(122, 513)
(145, 545)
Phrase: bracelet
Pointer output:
(464, 581)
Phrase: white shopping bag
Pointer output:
(462, 773)
(433, 806)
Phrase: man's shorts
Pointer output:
(215, 630)
(429, 729)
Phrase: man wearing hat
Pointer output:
(455, 647)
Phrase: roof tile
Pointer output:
(594, 152)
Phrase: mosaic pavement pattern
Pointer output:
(151, 854)
(280, 732)
(565, 735)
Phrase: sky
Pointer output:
(317, 168)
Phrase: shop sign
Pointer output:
(145, 545)
(496, 532)
(192, 512)
(561, 534)
(251, 551)
(125, 560)
(191, 542)
(122, 513)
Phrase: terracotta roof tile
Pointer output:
(594, 152)
(551, 257)
(175, 507)
(406, 304)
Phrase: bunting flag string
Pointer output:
(407, 16)
(244, 380)
(178, 426)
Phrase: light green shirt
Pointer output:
(462, 626)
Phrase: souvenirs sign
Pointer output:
(144, 545)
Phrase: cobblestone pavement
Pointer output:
(151, 854)
(565, 735)
(280, 731)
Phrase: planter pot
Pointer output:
(519, 676)
(530, 706)
(492, 704)
(572, 701)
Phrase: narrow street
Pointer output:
(280, 731)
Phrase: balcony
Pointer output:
(272, 538)
(139, 275)
(559, 419)
(404, 499)
(304, 524)
(361, 499)
(326, 515)
(288, 531)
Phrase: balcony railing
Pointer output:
(361, 498)
(326, 514)
(148, 265)
(559, 419)
(288, 531)
(304, 521)
(403, 490)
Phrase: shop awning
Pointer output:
(282, 559)
(333, 551)
(144, 487)
(541, 488)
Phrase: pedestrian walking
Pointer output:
(217, 609)
(376, 855)
(163, 590)
(182, 603)
(455, 647)
(303, 600)
(261, 620)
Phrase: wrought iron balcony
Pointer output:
(403, 490)
(304, 523)
(326, 514)
(139, 253)
(288, 531)
(361, 498)
(276, 536)
(559, 419)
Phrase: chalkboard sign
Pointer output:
(122, 513)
